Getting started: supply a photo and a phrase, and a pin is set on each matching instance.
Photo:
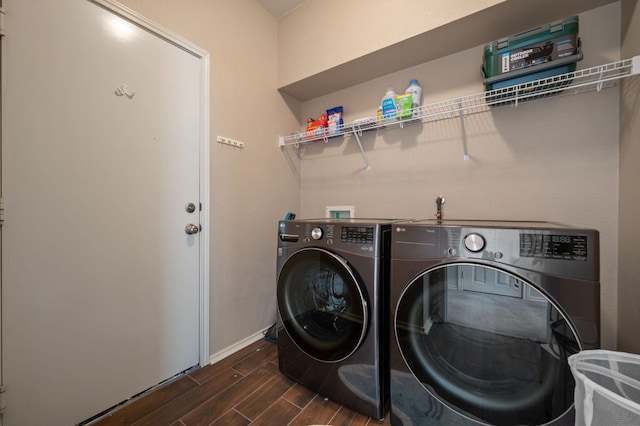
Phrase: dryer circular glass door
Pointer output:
(322, 305)
(487, 344)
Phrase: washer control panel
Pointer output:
(357, 234)
(363, 238)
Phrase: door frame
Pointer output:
(204, 164)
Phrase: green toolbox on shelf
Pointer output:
(542, 52)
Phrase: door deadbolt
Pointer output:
(190, 207)
(191, 229)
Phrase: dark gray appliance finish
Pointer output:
(333, 311)
(484, 317)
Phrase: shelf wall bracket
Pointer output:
(364, 154)
(2, 14)
(600, 82)
(635, 65)
(464, 131)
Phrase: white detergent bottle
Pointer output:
(389, 104)
(416, 95)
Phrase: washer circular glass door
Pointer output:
(321, 304)
(487, 344)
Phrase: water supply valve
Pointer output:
(439, 203)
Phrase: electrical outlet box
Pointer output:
(340, 212)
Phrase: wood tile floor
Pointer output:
(245, 388)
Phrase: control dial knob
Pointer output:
(474, 242)
(316, 233)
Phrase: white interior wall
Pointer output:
(554, 160)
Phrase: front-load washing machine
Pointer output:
(484, 317)
(332, 295)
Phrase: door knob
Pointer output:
(191, 229)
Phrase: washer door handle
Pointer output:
(291, 238)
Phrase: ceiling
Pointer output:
(279, 8)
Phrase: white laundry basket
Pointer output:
(607, 389)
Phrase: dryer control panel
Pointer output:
(554, 246)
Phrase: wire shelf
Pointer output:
(580, 81)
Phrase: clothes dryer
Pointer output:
(485, 315)
(332, 295)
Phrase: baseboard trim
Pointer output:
(237, 346)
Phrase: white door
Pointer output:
(101, 283)
(485, 280)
